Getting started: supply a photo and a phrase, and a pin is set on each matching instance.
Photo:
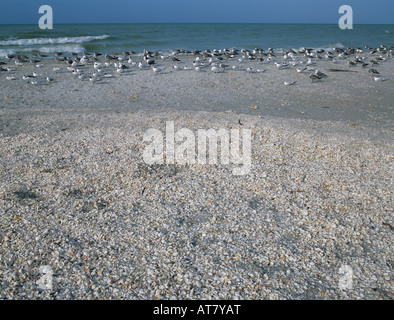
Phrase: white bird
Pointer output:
(289, 83)
(142, 65)
(50, 79)
(56, 69)
(380, 79)
(94, 79)
(35, 75)
(39, 65)
(157, 70)
(34, 82)
(176, 67)
(18, 63)
(10, 78)
(249, 69)
(27, 77)
(300, 70)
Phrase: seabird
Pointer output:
(28, 77)
(94, 79)
(378, 78)
(374, 71)
(289, 83)
(223, 66)
(157, 70)
(314, 77)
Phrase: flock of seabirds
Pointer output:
(303, 61)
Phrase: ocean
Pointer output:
(108, 38)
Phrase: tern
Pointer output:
(157, 70)
(300, 70)
(379, 79)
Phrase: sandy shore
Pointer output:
(77, 196)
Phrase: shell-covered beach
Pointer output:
(76, 195)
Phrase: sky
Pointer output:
(197, 11)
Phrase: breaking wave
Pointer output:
(43, 41)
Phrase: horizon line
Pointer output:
(302, 23)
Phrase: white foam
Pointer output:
(41, 41)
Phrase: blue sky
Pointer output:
(197, 11)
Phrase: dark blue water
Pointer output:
(109, 38)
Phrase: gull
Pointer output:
(223, 66)
(373, 71)
(150, 61)
(56, 69)
(39, 65)
(50, 79)
(157, 70)
(320, 74)
(380, 79)
(18, 63)
(249, 69)
(198, 69)
(314, 77)
(289, 83)
(94, 79)
(82, 76)
(27, 77)
(215, 69)
(108, 75)
(260, 70)
(120, 70)
(300, 70)
(281, 65)
(176, 67)
(142, 65)
(34, 82)
(310, 62)
(10, 78)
